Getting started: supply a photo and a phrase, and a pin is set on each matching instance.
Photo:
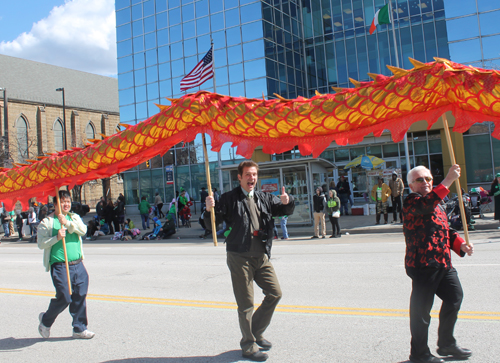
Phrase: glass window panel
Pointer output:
(140, 94)
(490, 23)
(455, 8)
(442, 40)
(190, 47)
(341, 61)
(255, 88)
(362, 57)
(123, 17)
(221, 76)
(420, 147)
(255, 69)
(228, 4)
(253, 50)
(187, 12)
(478, 168)
(402, 149)
(485, 5)
(251, 12)
(162, 20)
(126, 80)
(178, 68)
(189, 30)
(127, 113)
(232, 17)
(462, 28)
(341, 155)
(234, 54)
(140, 76)
(174, 16)
(203, 44)
(190, 62)
(466, 51)
(233, 36)
(237, 90)
(271, 69)
(120, 4)
(139, 61)
(149, 24)
(153, 93)
(148, 7)
(138, 44)
(236, 73)
(418, 43)
(164, 70)
(123, 32)
(125, 64)
(162, 37)
(124, 48)
(126, 96)
(219, 39)
(430, 42)
(150, 40)
(163, 54)
(173, 3)
(141, 110)
(217, 21)
(136, 12)
(390, 150)
(202, 25)
(137, 28)
(166, 88)
(161, 5)
(152, 74)
(201, 8)
(216, 6)
(356, 151)
(220, 57)
(252, 31)
(151, 57)
(491, 47)
(435, 147)
(175, 33)
(375, 150)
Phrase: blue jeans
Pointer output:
(6, 229)
(145, 220)
(344, 199)
(284, 231)
(77, 301)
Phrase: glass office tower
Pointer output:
(291, 48)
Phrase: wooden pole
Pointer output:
(210, 192)
(457, 182)
(63, 242)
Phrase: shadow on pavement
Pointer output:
(226, 357)
(13, 343)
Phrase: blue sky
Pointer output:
(76, 34)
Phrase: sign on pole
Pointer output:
(169, 174)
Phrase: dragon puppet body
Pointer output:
(387, 103)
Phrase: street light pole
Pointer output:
(6, 124)
(64, 116)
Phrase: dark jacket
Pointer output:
(343, 188)
(233, 209)
(203, 196)
(319, 203)
(427, 233)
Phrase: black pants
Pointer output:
(397, 208)
(158, 210)
(426, 283)
(335, 226)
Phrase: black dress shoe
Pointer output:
(264, 344)
(257, 356)
(455, 351)
(426, 359)
(314, 237)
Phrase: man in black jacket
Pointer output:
(248, 215)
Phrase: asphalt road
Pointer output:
(345, 300)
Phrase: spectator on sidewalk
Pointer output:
(397, 188)
(319, 209)
(380, 194)
(144, 208)
(158, 206)
(333, 211)
(344, 191)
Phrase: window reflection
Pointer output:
(466, 51)
(462, 28)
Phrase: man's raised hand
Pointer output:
(284, 197)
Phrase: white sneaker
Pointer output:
(42, 329)
(86, 334)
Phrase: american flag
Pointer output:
(202, 72)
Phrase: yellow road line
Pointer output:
(297, 309)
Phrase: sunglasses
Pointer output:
(428, 179)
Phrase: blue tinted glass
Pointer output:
(256, 68)
(237, 90)
(153, 92)
(202, 25)
(384, 52)
(215, 6)
(203, 44)
(166, 88)
(123, 17)
(125, 64)
(175, 33)
(150, 40)
(232, 17)
(173, 3)
(252, 31)
(127, 113)
(126, 80)
(151, 74)
(178, 68)
(161, 5)
(220, 58)
(139, 61)
(138, 44)
(162, 20)
(466, 51)
(351, 58)
(190, 63)
(137, 28)
(221, 76)
(188, 30)
(190, 47)
(414, 7)
(162, 37)
(418, 43)
(140, 76)
(491, 47)
(149, 24)
(123, 32)
(152, 108)
(233, 36)
(485, 5)
(255, 88)
(228, 4)
(151, 57)
(176, 50)
(217, 21)
(253, 50)
(120, 4)
(437, 5)
(148, 7)
(136, 2)
(462, 28)
(251, 12)
(219, 39)
(442, 40)
(141, 110)
(236, 73)
(136, 12)
(124, 48)
(201, 8)
(234, 54)
(140, 94)
(164, 70)
(430, 42)
(490, 22)
(174, 16)
(454, 8)
(163, 54)
(188, 12)
(244, 2)
(126, 96)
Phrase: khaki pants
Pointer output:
(319, 218)
(244, 271)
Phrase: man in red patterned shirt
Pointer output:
(429, 240)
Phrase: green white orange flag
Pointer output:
(381, 17)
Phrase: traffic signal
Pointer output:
(148, 164)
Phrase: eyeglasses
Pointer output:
(428, 179)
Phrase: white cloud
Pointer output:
(80, 35)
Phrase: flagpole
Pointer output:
(405, 140)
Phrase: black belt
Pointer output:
(75, 262)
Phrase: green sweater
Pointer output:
(144, 207)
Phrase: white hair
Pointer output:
(409, 177)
